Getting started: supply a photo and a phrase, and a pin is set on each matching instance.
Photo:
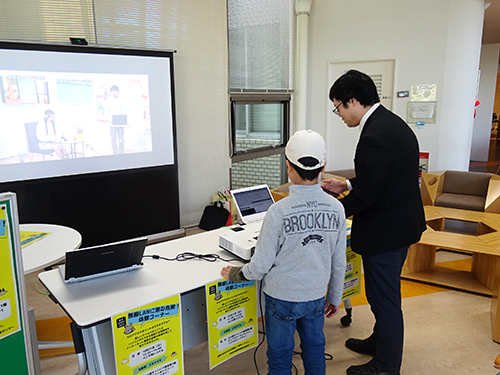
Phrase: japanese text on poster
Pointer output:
(352, 285)
(28, 238)
(148, 339)
(232, 319)
(9, 307)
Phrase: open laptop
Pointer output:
(252, 204)
(120, 120)
(103, 260)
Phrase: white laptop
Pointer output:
(103, 260)
(252, 203)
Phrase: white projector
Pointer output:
(240, 240)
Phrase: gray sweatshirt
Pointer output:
(300, 252)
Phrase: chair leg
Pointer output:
(346, 320)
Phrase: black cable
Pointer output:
(189, 256)
(263, 330)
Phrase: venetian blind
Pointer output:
(47, 20)
(260, 44)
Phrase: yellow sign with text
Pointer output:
(28, 238)
(352, 281)
(148, 339)
(231, 318)
(9, 308)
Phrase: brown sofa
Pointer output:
(473, 191)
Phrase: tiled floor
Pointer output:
(447, 332)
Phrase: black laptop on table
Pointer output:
(103, 260)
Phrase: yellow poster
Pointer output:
(28, 238)
(9, 308)
(148, 339)
(352, 284)
(231, 319)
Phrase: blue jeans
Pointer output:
(282, 319)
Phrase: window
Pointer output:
(261, 82)
(47, 20)
(260, 126)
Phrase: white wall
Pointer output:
(432, 42)
(487, 89)
(201, 89)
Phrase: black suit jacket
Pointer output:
(385, 200)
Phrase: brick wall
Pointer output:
(267, 170)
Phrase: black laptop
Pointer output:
(103, 260)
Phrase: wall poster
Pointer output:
(231, 319)
(16, 356)
(148, 339)
(352, 284)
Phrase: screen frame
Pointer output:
(106, 206)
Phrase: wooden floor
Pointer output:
(493, 163)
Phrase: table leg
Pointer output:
(495, 307)
(483, 269)
(420, 257)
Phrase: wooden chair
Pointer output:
(473, 191)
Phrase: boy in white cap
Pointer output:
(300, 257)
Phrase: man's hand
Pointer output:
(334, 185)
(331, 310)
(225, 272)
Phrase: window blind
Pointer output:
(260, 44)
(47, 20)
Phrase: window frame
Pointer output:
(242, 98)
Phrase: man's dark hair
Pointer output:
(114, 88)
(306, 174)
(355, 85)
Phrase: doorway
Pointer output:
(493, 163)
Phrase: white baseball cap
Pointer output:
(306, 143)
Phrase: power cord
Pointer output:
(36, 286)
(190, 256)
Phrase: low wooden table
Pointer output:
(484, 278)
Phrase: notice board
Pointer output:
(16, 356)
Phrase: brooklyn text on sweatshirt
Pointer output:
(311, 219)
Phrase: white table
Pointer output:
(50, 249)
(43, 253)
(92, 303)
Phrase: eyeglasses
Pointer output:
(336, 109)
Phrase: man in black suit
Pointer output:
(384, 199)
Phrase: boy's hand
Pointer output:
(333, 185)
(331, 310)
(225, 272)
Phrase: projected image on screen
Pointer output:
(53, 116)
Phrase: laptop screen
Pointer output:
(252, 202)
(119, 119)
(96, 260)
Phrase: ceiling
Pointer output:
(491, 30)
